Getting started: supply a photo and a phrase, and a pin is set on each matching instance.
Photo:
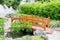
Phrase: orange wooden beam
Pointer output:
(45, 21)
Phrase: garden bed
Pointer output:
(1, 25)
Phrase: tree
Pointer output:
(1, 1)
(13, 3)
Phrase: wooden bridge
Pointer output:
(39, 20)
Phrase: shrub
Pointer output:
(51, 9)
(13, 3)
(1, 25)
(55, 23)
(21, 28)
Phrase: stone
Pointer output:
(41, 32)
(57, 29)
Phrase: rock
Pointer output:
(41, 32)
(57, 29)
(45, 37)
(9, 39)
(49, 30)
(18, 39)
(28, 36)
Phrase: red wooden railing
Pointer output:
(45, 21)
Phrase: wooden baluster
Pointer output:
(12, 19)
(44, 22)
(48, 21)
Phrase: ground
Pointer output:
(54, 36)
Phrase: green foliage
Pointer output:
(33, 38)
(1, 1)
(19, 27)
(2, 37)
(44, 1)
(13, 3)
(47, 0)
(55, 23)
(51, 9)
(1, 25)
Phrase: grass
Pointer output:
(33, 38)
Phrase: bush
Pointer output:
(55, 23)
(21, 28)
(13, 3)
(51, 9)
(1, 25)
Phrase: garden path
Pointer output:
(54, 36)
